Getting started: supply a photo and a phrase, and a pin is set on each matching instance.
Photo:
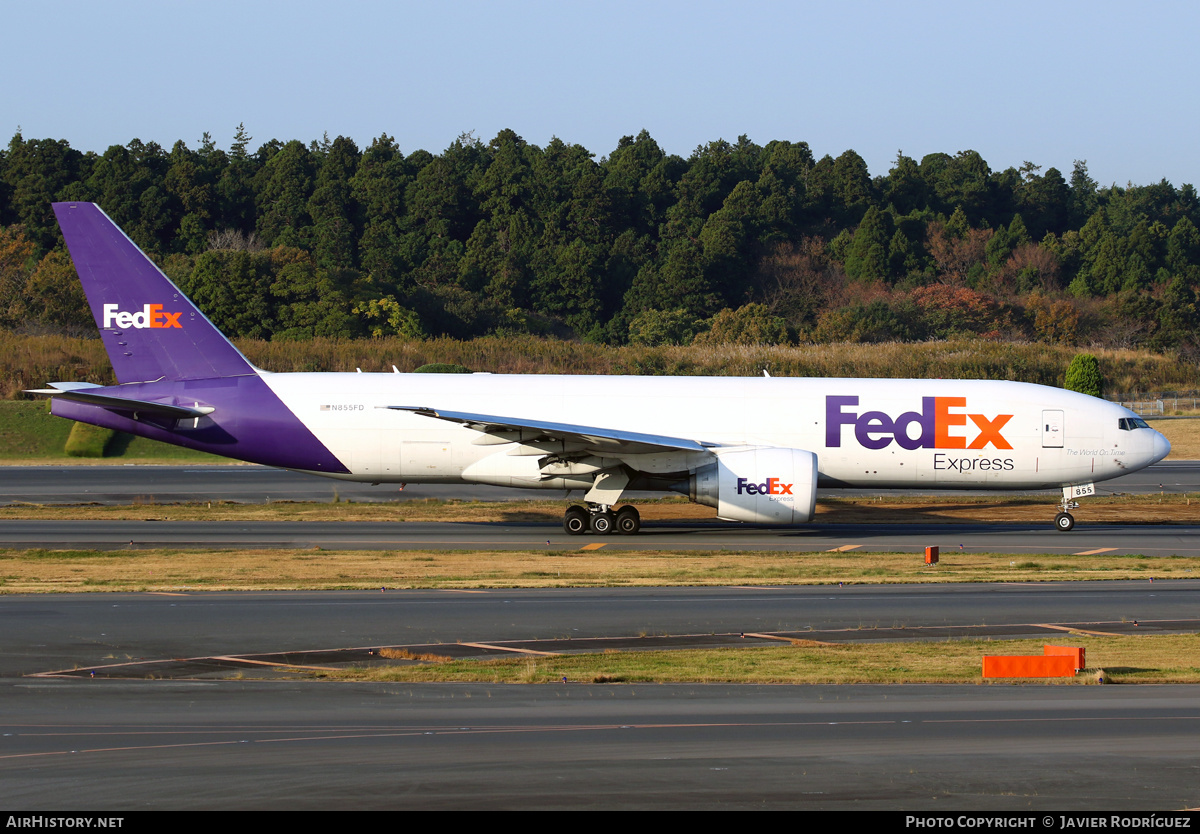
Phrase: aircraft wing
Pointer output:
(539, 434)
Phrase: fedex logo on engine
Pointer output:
(771, 486)
(936, 421)
(151, 315)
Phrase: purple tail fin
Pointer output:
(149, 327)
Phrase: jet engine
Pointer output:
(763, 484)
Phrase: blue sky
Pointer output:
(1049, 82)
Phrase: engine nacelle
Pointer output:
(763, 484)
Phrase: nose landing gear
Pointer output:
(1064, 522)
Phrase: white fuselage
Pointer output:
(864, 432)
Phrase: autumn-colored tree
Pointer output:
(16, 265)
(797, 281)
(1054, 320)
(1029, 267)
(953, 311)
(959, 259)
(54, 297)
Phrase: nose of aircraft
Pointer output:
(1161, 448)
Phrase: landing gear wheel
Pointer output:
(629, 521)
(576, 521)
(603, 523)
(1064, 522)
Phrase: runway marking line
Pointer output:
(767, 636)
(74, 672)
(1080, 630)
(844, 548)
(509, 649)
(232, 659)
(782, 639)
(593, 546)
(1097, 550)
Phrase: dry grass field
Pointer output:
(1153, 659)
(1184, 436)
(30, 361)
(184, 571)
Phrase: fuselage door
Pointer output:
(1052, 429)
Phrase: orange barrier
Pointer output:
(931, 555)
(1028, 666)
(1076, 652)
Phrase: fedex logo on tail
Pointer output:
(936, 421)
(151, 315)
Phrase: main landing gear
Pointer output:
(601, 520)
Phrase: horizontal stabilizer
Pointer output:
(77, 395)
(591, 438)
(69, 386)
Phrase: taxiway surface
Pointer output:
(49, 632)
(1149, 540)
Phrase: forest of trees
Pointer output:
(737, 243)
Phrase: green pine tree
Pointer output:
(1083, 375)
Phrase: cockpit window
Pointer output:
(1131, 423)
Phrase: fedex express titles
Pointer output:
(936, 420)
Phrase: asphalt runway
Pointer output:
(123, 746)
(83, 744)
(122, 484)
(1149, 540)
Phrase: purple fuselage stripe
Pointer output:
(250, 422)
